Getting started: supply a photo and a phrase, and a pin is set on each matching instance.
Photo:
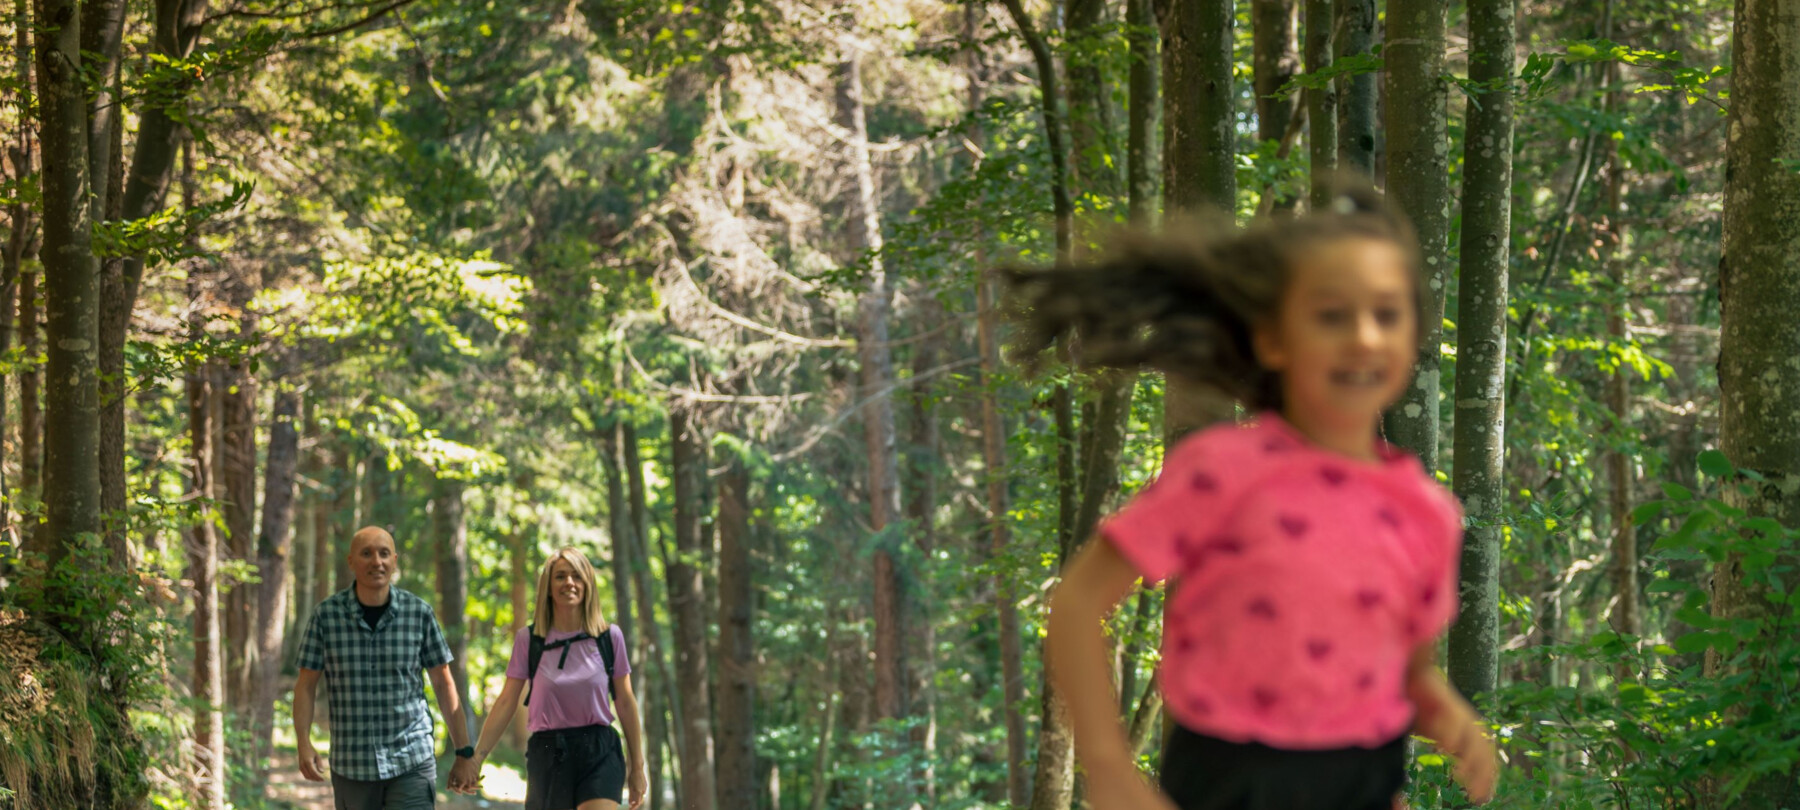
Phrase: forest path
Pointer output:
(287, 786)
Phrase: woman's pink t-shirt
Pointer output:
(1304, 580)
(574, 694)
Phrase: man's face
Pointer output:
(372, 559)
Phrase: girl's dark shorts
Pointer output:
(567, 766)
(1207, 773)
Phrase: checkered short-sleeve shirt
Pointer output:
(380, 726)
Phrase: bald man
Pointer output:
(371, 642)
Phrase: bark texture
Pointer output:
(1759, 289)
(1198, 154)
(1321, 103)
(203, 570)
(1353, 35)
(1274, 59)
(737, 650)
(687, 601)
(237, 477)
(451, 530)
(1480, 429)
(1418, 180)
(876, 360)
(273, 547)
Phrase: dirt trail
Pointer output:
(287, 785)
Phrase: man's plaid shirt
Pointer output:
(380, 726)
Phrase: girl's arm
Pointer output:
(1447, 718)
(1076, 651)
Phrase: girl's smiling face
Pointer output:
(1345, 334)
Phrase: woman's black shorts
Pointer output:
(567, 766)
(1207, 773)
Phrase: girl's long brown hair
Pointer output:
(1187, 301)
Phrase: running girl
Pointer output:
(1313, 564)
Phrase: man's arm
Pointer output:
(311, 764)
(450, 704)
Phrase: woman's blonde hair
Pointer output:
(544, 615)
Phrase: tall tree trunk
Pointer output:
(1141, 81)
(687, 601)
(1620, 466)
(656, 700)
(1273, 62)
(102, 28)
(31, 413)
(518, 544)
(132, 195)
(21, 222)
(315, 473)
(877, 381)
(451, 531)
(618, 521)
(71, 305)
(920, 635)
(737, 651)
(273, 548)
(1759, 426)
(1418, 149)
(203, 570)
(237, 474)
(1199, 148)
(1353, 35)
(1321, 103)
(993, 451)
(1480, 445)
(327, 564)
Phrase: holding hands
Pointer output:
(465, 776)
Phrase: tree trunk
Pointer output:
(1140, 150)
(1620, 466)
(273, 548)
(102, 27)
(1418, 149)
(687, 601)
(203, 569)
(1199, 169)
(519, 543)
(920, 636)
(1354, 35)
(71, 296)
(618, 522)
(654, 700)
(1759, 427)
(877, 381)
(1480, 428)
(31, 414)
(452, 534)
(1273, 62)
(821, 781)
(328, 564)
(237, 474)
(128, 196)
(737, 652)
(315, 472)
(20, 223)
(1321, 104)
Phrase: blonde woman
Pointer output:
(559, 666)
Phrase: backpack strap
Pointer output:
(535, 654)
(605, 642)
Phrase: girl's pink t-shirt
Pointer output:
(574, 694)
(1303, 581)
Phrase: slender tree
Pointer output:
(450, 529)
(1480, 446)
(1199, 169)
(737, 650)
(203, 567)
(1274, 60)
(687, 602)
(273, 549)
(1353, 34)
(1418, 179)
(658, 702)
(1321, 102)
(1759, 428)
(237, 394)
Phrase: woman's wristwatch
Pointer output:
(466, 752)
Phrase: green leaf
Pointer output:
(1715, 464)
(1648, 511)
(1677, 492)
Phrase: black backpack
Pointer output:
(603, 642)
